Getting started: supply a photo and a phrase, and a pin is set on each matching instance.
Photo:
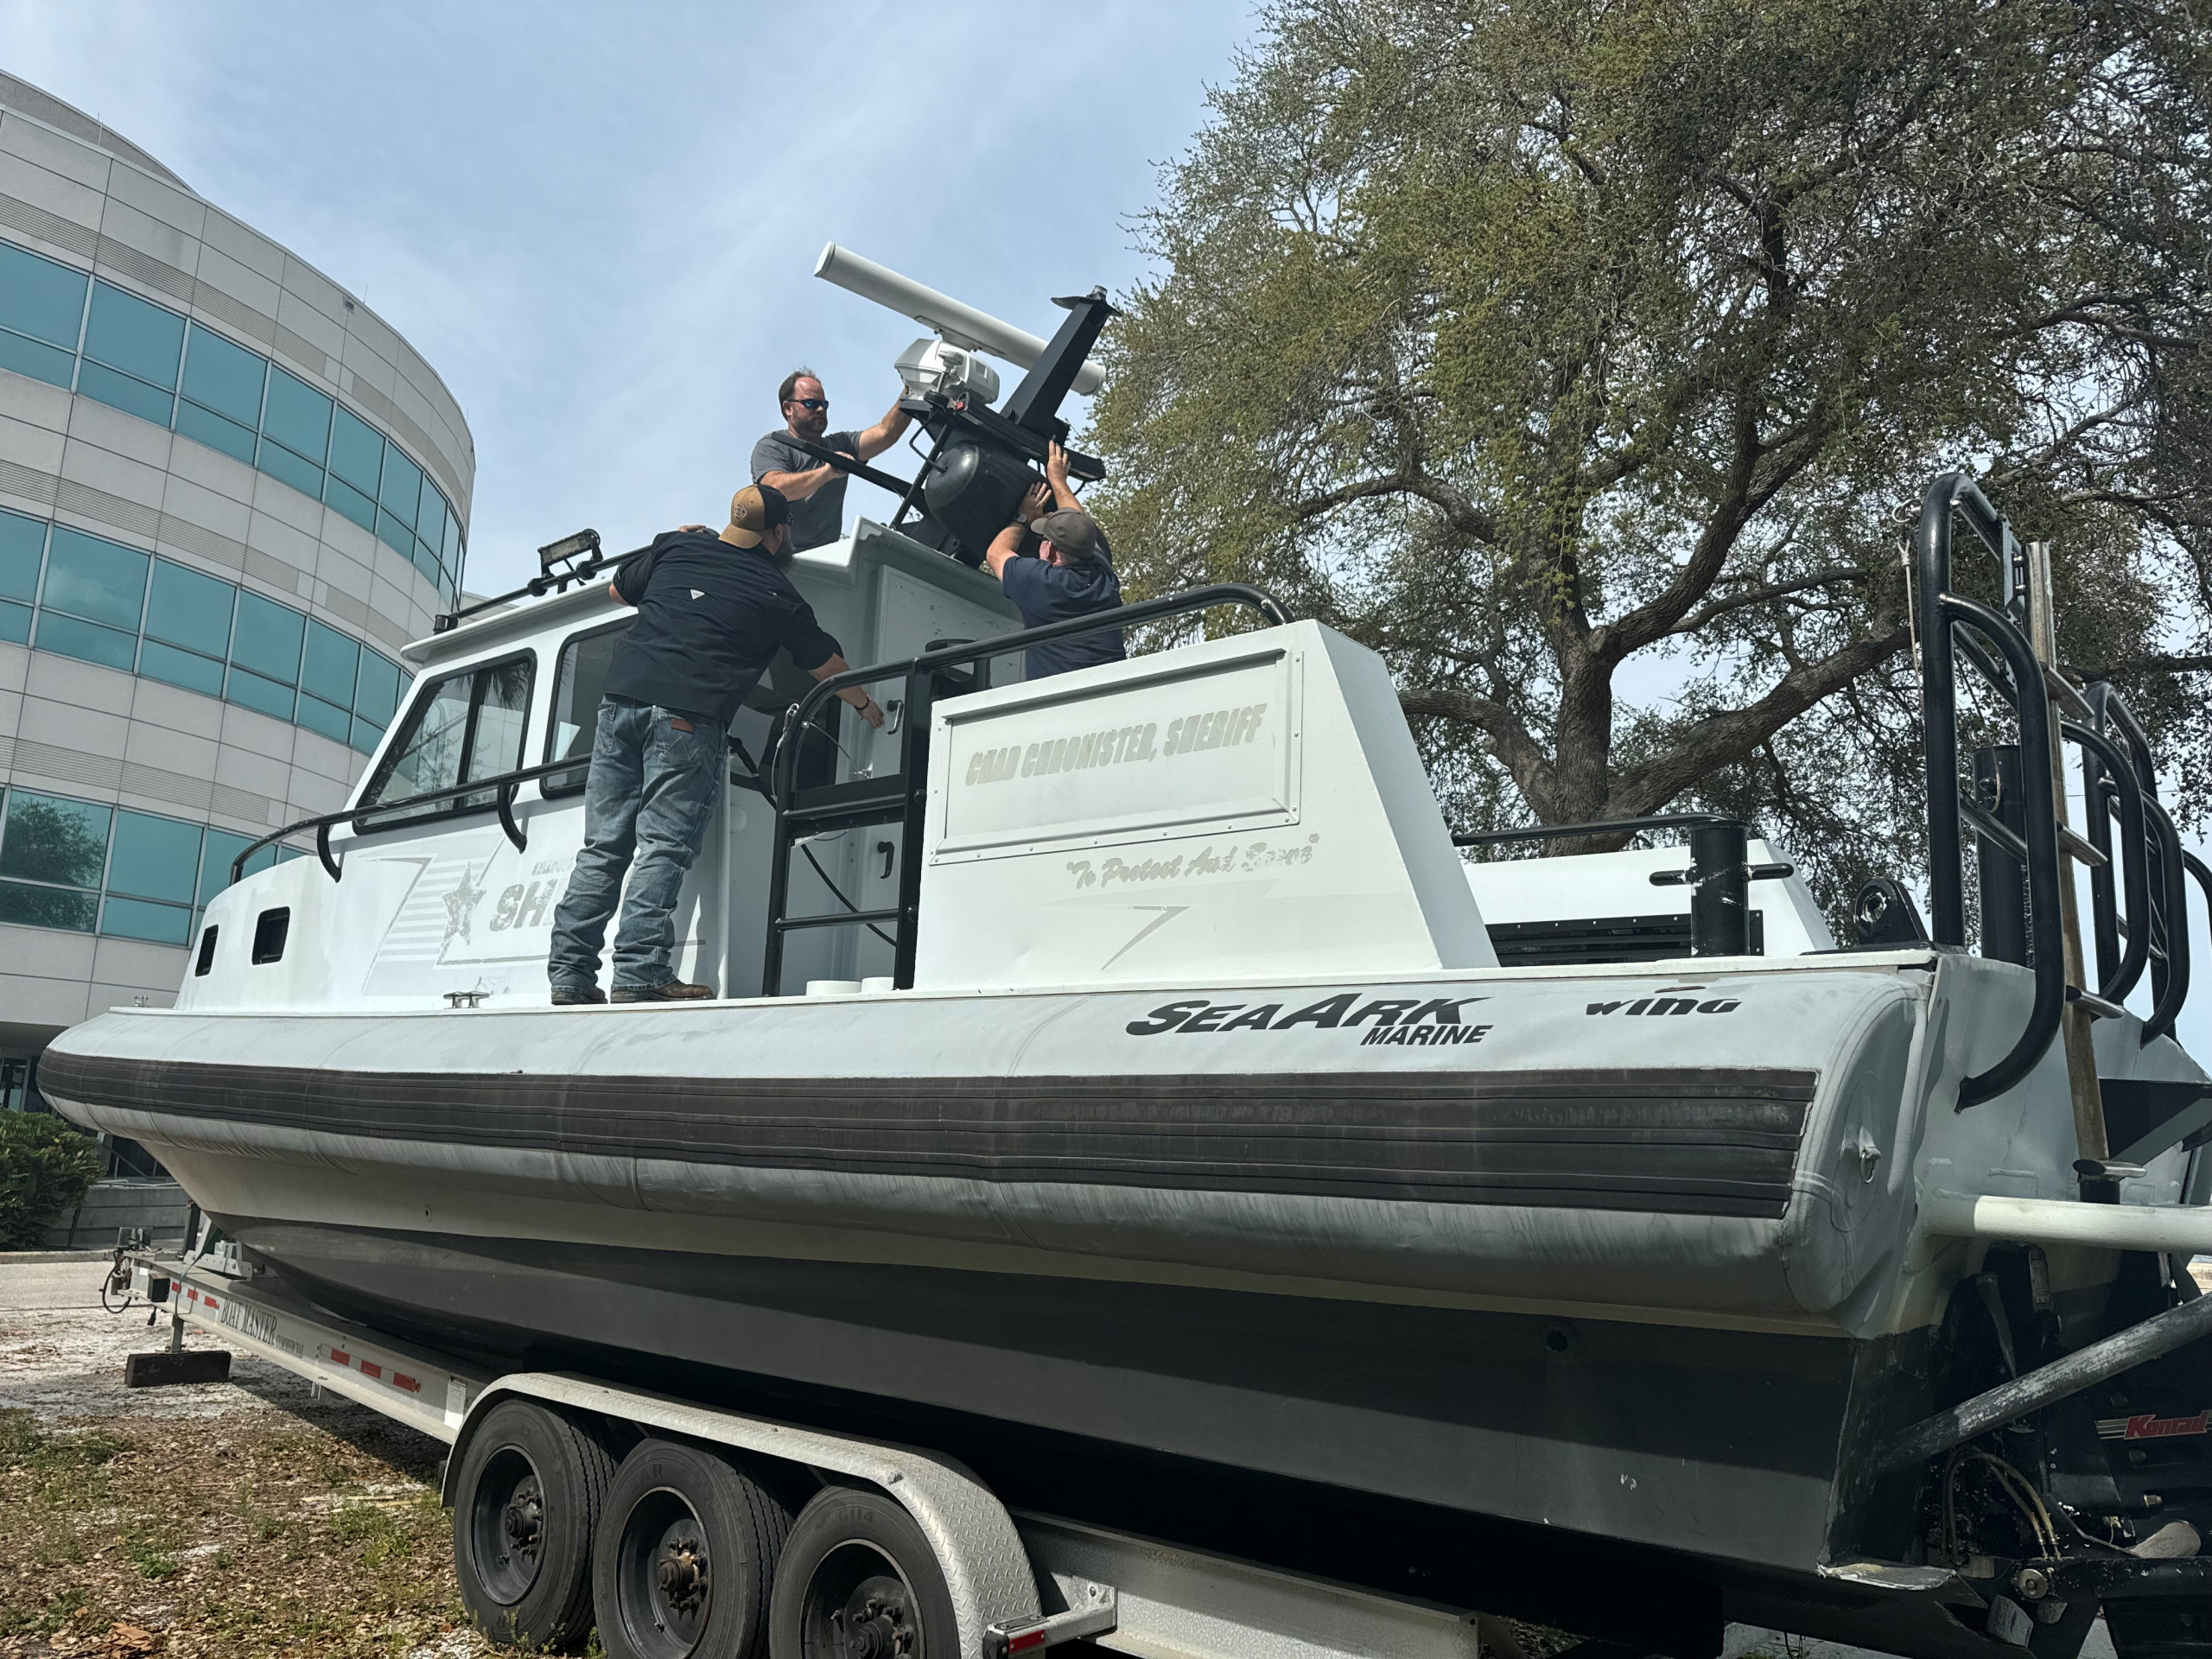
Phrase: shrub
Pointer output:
(46, 1165)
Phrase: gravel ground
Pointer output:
(248, 1519)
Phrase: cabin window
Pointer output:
(460, 728)
(204, 964)
(270, 929)
(578, 682)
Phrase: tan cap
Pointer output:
(754, 511)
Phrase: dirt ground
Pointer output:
(247, 1519)
(243, 1519)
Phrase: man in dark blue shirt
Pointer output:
(1070, 576)
(712, 612)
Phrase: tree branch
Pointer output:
(1704, 746)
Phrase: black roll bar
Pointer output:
(785, 759)
(504, 787)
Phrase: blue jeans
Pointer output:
(650, 796)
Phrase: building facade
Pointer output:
(229, 492)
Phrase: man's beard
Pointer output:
(784, 554)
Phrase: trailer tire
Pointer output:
(687, 1548)
(525, 1509)
(855, 1555)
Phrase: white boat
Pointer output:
(1132, 1069)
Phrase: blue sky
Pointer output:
(599, 224)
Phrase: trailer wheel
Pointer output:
(858, 1577)
(687, 1548)
(525, 1506)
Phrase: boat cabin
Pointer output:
(1249, 803)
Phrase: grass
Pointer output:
(222, 1540)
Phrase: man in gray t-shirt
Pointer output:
(815, 489)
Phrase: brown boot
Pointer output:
(674, 991)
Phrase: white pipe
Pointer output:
(2180, 1228)
(962, 325)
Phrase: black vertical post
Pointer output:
(1720, 887)
(1939, 722)
(781, 769)
(2003, 879)
(921, 693)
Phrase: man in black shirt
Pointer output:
(712, 612)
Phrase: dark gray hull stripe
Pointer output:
(1680, 1140)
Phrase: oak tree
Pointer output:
(1582, 357)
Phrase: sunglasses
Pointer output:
(811, 403)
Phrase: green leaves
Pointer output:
(1555, 343)
(46, 1165)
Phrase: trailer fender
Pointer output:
(985, 1565)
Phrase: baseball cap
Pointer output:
(754, 511)
(1076, 534)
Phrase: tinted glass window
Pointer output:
(502, 711)
(154, 858)
(39, 298)
(402, 486)
(225, 378)
(48, 838)
(377, 693)
(356, 451)
(463, 726)
(120, 391)
(34, 357)
(392, 531)
(268, 638)
(216, 852)
(430, 519)
(345, 498)
(126, 333)
(214, 430)
(135, 919)
(32, 906)
(87, 641)
(429, 752)
(251, 691)
(577, 688)
(190, 609)
(186, 668)
(298, 416)
(96, 580)
(21, 542)
(283, 465)
(15, 623)
(332, 664)
(317, 715)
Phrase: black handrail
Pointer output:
(2175, 991)
(2166, 938)
(2045, 939)
(1942, 613)
(2127, 794)
(781, 764)
(1952, 493)
(505, 784)
(1602, 826)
